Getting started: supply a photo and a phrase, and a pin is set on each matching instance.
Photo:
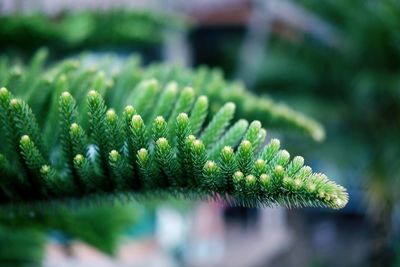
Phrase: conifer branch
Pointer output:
(175, 154)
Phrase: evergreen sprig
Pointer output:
(174, 152)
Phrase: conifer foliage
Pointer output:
(164, 142)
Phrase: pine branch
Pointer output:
(167, 157)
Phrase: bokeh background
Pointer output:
(337, 61)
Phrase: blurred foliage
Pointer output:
(85, 30)
(23, 235)
(21, 247)
(98, 226)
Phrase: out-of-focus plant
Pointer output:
(23, 236)
(85, 30)
(21, 247)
